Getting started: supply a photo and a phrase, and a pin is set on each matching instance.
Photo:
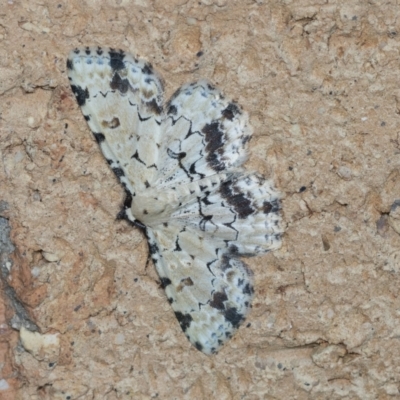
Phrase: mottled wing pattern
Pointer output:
(181, 167)
(122, 100)
(203, 134)
(210, 293)
(196, 253)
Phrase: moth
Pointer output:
(180, 163)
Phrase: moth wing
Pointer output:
(196, 254)
(204, 134)
(209, 294)
(122, 101)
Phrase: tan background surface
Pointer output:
(320, 80)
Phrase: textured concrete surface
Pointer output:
(320, 81)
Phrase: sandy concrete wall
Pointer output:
(320, 82)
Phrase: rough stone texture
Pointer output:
(320, 80)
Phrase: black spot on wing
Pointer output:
(117, 59)
(231, 111)
(267, 207)
(80, 94)
(147, 69)
(184, 320)
(248, 289)
(218, 300)
(118, 172)
(233, 250)
(237, 199)
(70, 65)
(272, 206)
(154, 107)
(198, 346)
(99, 137)
(172, 110)
(165, 282)
(87, 117)
(153, 248)
(233, 316)
(214, 138)
(117, 83)
(128, 200)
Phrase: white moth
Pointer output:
(180, 163)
